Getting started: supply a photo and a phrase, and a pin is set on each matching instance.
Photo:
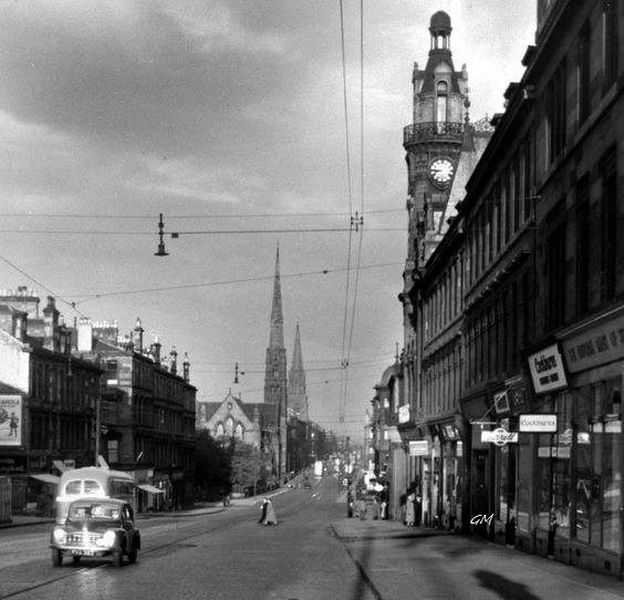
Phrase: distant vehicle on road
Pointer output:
(91, 483)
(95, 528)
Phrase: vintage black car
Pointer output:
(94, 528)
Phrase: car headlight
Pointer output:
(59, 535)
(109, 538)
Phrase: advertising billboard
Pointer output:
(11, 420)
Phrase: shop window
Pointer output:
(598, 464)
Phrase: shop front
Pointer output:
(446, 463)
(478, 491)
(510, 460)
(587, 484)
(577, 468)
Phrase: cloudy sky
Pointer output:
(227, 116)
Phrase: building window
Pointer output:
(583, 245)
(507, 207)
(516, 193)
(608, 225)
(526, 193)
(582, 73)
(113, 451)
(610, 42)
(556, 274)
(441, 106)
(556, 112)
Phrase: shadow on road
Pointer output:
(505, 588)
(363, 583)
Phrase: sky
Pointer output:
(228, 117)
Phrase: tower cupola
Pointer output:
(440, 29)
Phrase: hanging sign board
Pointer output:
(499, 436)
(538, 423)
(547, 370)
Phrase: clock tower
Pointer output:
(441, 149)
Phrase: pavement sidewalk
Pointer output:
(203, 508)
(397, 561)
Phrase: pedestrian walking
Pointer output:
(410, 509)
(263, 511)
(269, 513)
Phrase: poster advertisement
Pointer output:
(10, 420)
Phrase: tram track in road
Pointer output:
(178, 541)
(291, 505)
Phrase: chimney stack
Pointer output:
(173, 367)
(21, 326)
(186, 368)
(138, 336)
(156, 350)
(85, 335)
(51, 330)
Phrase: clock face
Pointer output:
(441, 171)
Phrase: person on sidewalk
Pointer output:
(410, 509)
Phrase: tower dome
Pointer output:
(440, 23)
(440, 29)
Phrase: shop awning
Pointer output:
(46, 478)
(150, 489)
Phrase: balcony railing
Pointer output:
(417, 133)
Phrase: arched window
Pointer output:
(219, 430)
(441, 104)
(238, 432)
(229, 427)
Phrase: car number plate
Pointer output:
(83, 552)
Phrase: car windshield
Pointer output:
(94, 510)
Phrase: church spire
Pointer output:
(297, 395)
(277, 320)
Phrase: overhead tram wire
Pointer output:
(94, 296)
(350, 197)
(360, 223)
(72, 305)
(195, 217)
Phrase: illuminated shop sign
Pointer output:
(538, 423)
(598, 346)
(404, 413)
(547, 373)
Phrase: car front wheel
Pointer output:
(132, 556)
(57, 557)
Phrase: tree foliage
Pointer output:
(212, 466)
(245, 464)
